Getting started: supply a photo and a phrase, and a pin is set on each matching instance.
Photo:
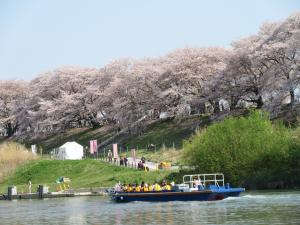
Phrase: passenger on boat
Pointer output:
(142, 186)
(165, 186)
(124, 187)
(138, 188)
(118, 187)
(129, 188)
(157, 187)
(146, 188)
(133, 187)
(150, 188)
(196, 183)
(168, 187)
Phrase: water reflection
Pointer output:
(252, 208)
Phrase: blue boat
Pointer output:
(195, 187)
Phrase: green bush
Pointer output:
(250, 151)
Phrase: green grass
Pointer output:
(83, 174)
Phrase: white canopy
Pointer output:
(70, 150)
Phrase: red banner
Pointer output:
(115, 151)
(93, 146)
(133, 154)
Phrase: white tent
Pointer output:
(70, 150)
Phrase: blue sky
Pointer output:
(41, 35)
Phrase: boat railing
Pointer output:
(204, 180)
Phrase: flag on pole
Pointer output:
(93, 146)
(115, 151)
(33, 149)
(133, 154)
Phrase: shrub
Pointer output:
(246, 149)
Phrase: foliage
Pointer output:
(248, 150)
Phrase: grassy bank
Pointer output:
(83, 174)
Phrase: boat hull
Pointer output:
(203, 195)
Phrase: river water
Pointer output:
(251, 208)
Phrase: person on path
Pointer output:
(109, 156)
(125, 161)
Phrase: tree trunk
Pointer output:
(233, 102)
(292, 95)
(9, 129)
(216, 106)
(259, 102)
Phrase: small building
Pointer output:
(70, 150)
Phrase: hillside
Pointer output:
(164, 133)
(80, 135)
(83, 174)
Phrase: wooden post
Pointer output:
(9, 193)
(41, 191)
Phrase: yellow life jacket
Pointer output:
(168, 187)
(157, 187)
(125, 188)
(137, 188)
(129, 189)
(150, 188)
(146, 189)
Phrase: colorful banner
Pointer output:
(93, 146)
(33, 149)
(115, 151)
(133, 154)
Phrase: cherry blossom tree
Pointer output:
(10, 92)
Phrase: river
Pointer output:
(251, 208)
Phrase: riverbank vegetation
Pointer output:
(83, 174)
(12, 155)
(250, 151)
